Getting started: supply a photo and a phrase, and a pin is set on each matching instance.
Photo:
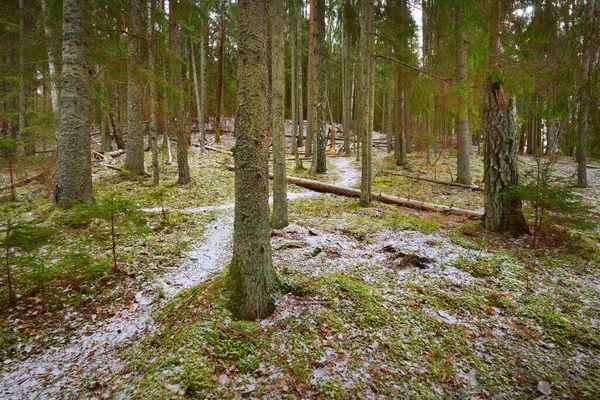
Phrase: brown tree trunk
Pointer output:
(219, 99)
(183, 168)
(367, 36)
(311, 83)
(463, 162)
(280, 206)
(252, 278)
(319, 161)
(299, 78)
(153, 134)
(73, 166)
(134, 159)
(502, 209)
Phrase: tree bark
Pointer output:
(219, 94)
(346, 76)
(134, 159)
(183, 168)
(280, 206)
(299, 66)
(319, 162)
(366, 99)
(311, 83)
(199, 100)
(503, 211)
(463, 161)
(22, 136)
(293, 86)
(73, 166)
(54, 75)
(153, 134)
(251, 274)
(585, 94)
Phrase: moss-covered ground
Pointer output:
(487, 317)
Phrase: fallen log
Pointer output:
(418, 178)
(590, 166)
(211, 148)
(116, 153)
(23, 182)
(382, 197)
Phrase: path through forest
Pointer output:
(91, 358)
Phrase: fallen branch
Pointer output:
(384, 198)
(112, 167)
(418, 178)
(23, 182)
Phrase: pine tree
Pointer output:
(73, 165)
(252, 277)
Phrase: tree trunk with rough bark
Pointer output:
(54, 74)
(252, 279)
(366, 98)
(346, 77)
(319, 162)
(311, 83)
(502, 209)
(280, 207)
(585, 94)
(463, 162)
(293, 86)
(199, 100)
(299, 78)
(183, 167)
(73, 182)
(153, 134)
(134, 159)
(219, 94)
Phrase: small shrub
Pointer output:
(552, 199)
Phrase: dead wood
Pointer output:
(382, 197)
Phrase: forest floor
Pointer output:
(377, 302)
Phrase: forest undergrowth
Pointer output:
(376, 302)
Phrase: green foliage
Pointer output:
(552, 199)
(18, 238)
(9, 148)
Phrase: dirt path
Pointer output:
(91, 358)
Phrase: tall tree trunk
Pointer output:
(134, 158)
(502, 209)
(367, 35)
(153, 134)
(585, 94)
(407, 125)
(183, 168)
(219, 99)
(299, 66)
(463, 162)
(293, 86)
(311, 83)
(199, 100)
(22, 95)
(346, 76)
(54, 75)
(280, 206)
(252, 277)
(202, 87)
(319, 162)
(399, 138)
(551, 138)
(73, 182)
